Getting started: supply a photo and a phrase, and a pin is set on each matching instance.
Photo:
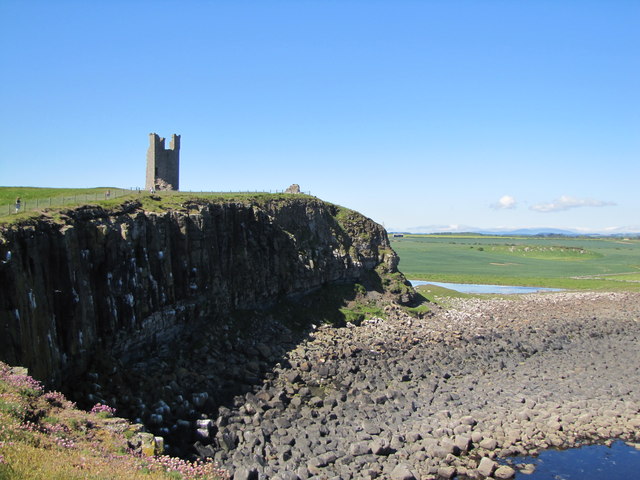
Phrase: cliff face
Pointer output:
(124, 279)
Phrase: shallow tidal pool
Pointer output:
(593, 462)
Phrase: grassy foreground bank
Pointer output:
(44, 436)
(584, 263)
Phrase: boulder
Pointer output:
(159, 445)
(147, 444)
(468, 420)
(203, 435)
(244, 473)
(447, 472)
(397, 442)
(293, 376)
(462, 442)
(359, 448)
(380, 446)
(486, 467)
(488, 443)
(228, 439)
(204, 423)
(449, 446)
(287, 476)
(504, 472)
(402, 472)
(371, 428)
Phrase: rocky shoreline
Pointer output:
(445, 395)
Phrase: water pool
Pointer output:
(593, 462)
(482, 288)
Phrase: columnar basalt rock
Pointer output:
(125, 280)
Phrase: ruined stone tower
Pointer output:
(163, 165)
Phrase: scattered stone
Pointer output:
(402, 472)
(488, 443)
(380, 446)
(469, 420)
(486, 467)
(360, 448)
(450, 446)
(504, 472)
(293, 376)
(203, 434)
(463, 443)
(323, 460)
(447, 472)
(246, 474)
(205, 451)
(527, 468)
(371, 428)
(287, 476)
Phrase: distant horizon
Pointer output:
(435, 229)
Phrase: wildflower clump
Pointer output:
(19, 380)
(197, 470)
(104, 411)
(57, 399)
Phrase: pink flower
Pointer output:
(99, 408)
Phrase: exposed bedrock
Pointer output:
(121, 282)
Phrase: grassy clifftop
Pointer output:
(36, 202)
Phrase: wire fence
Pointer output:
(29, 205)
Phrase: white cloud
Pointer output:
(505, 202)
(566, 202)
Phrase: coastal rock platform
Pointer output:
(451, 394)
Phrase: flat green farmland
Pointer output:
(566, 262)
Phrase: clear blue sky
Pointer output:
(416, 113)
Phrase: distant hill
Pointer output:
(536, 231)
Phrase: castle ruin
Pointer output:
(163, 165)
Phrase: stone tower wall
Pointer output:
(163, 165)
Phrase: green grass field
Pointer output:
(33, 198)
(564, 262)
(8, 194)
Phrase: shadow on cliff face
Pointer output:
(185, 389)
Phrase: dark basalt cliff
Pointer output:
(124, 279)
